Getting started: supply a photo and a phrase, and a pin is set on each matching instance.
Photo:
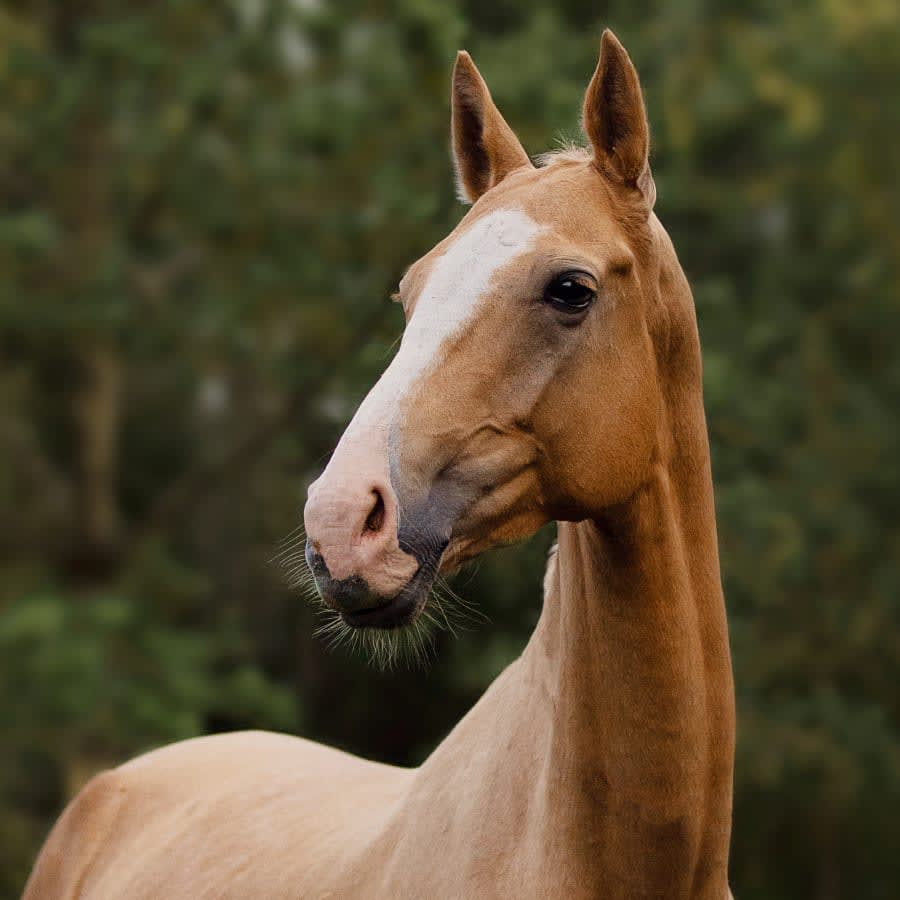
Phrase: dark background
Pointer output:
(203, 209)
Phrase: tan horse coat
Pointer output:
(599, 764)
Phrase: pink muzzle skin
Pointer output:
(352, 519)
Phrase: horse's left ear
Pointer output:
(615, 120)
(485, 150)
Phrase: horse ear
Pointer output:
(485, 150)
(615, 120)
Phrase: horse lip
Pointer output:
(394, 613)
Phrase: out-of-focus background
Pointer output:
(203, 210)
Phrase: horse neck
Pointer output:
(632, 654)
(600, 762)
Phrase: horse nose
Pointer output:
(353, 547)
(350, 593)
(347, 523)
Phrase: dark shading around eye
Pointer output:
(572, 292)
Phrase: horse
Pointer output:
(549, 370)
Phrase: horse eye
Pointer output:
(571, 293)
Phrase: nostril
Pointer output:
(375, 519)
(315, 560)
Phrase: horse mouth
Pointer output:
(395, 613)
(403, 608)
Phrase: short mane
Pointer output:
(567, 152)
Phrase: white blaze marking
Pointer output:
(451, 295)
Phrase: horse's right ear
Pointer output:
(485, 150)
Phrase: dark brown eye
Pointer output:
(572, 292)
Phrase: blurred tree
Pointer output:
(204, 207)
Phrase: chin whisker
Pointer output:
(462, 612)
(387, 649)
(439, 607)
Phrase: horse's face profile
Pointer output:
(526, 386)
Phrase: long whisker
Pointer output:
(443, 610)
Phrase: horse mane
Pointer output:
(568, 151)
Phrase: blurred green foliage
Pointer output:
(204, 208)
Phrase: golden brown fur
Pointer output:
(599, 764)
